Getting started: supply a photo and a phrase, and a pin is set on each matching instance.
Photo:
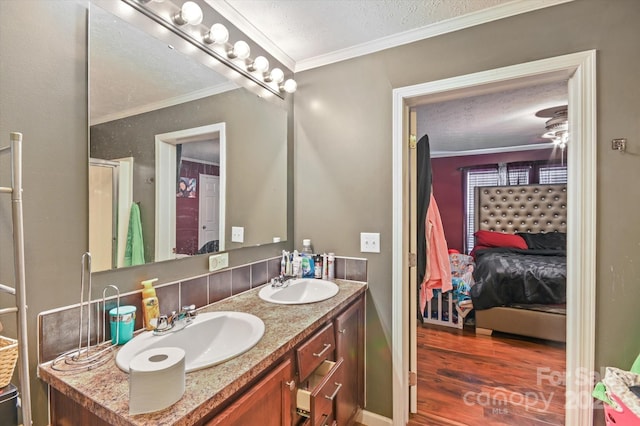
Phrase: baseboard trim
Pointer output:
(372, 419)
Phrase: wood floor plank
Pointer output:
(469, 380)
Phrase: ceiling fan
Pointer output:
(557, 125)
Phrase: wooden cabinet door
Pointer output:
(349, 327)
(66, 412)
(268, 403)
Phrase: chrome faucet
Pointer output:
(282, 280)
(175, 321)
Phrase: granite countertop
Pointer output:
(104, 390)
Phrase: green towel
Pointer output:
(600, 392)
(134, 251)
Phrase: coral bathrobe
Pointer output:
(438, 271)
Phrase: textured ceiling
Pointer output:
(497, 120)
(308, 28)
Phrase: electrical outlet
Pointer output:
(218, 261)
(370, 242)
(237, 234)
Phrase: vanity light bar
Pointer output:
(186, 21)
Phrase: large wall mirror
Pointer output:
(180, 156)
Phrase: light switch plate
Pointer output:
(237, 234)
(218, 261)
(370, 242)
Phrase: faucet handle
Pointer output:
(189, 312)
(163, 322)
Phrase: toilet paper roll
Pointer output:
(156, 379)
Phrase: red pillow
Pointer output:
(499, 239)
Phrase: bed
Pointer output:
(535, 304)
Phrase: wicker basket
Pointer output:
(8, 358)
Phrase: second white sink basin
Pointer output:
(299, 291)
(210, 339)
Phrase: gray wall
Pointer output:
(256, 134)
(343, 146)
(43, 94)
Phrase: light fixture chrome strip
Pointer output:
(149, 13)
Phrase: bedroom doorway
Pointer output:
(579, 69)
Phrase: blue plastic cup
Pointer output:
(122, 323)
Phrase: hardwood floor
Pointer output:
(469, 380)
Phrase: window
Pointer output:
(505, 174)
(552, 174)
(474, 179)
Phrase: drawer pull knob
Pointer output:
(291, 385)
(326, 348)
(343, 331)
(324, 422)
(335, 392)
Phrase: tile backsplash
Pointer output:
(56, 337)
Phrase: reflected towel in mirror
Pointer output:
(134, 251)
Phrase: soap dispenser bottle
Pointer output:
(150, 305)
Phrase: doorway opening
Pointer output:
(579, 70)
(179, 183)
(494, 379)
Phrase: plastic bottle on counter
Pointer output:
(150, 305)
(317, 272)
(307, 265)
(306, 247)
(325, 266)
(307, 260)
(296, 265)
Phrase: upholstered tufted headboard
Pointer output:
(522, 208)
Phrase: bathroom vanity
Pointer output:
(307, 369)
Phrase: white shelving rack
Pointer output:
(19, 291)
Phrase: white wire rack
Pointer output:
(19, 291)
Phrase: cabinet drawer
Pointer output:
(315, 350)
(315, 395)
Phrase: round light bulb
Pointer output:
(241, 49)
(277, 75)
(260, 64)
(217, 34)
(290, 85)
(190, 13)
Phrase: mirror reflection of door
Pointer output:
(198, 195)
(182, 157)
(102, 198)
(110, 198)
(209, 206)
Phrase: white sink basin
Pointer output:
(210, 339)
(299, 291)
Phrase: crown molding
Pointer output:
(244, 25)
(198, 94)
(498, 150)
(481, 17)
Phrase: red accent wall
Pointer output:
(187, 209)
(448, 186)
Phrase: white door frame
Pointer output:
(166, 185)
(580, 70)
